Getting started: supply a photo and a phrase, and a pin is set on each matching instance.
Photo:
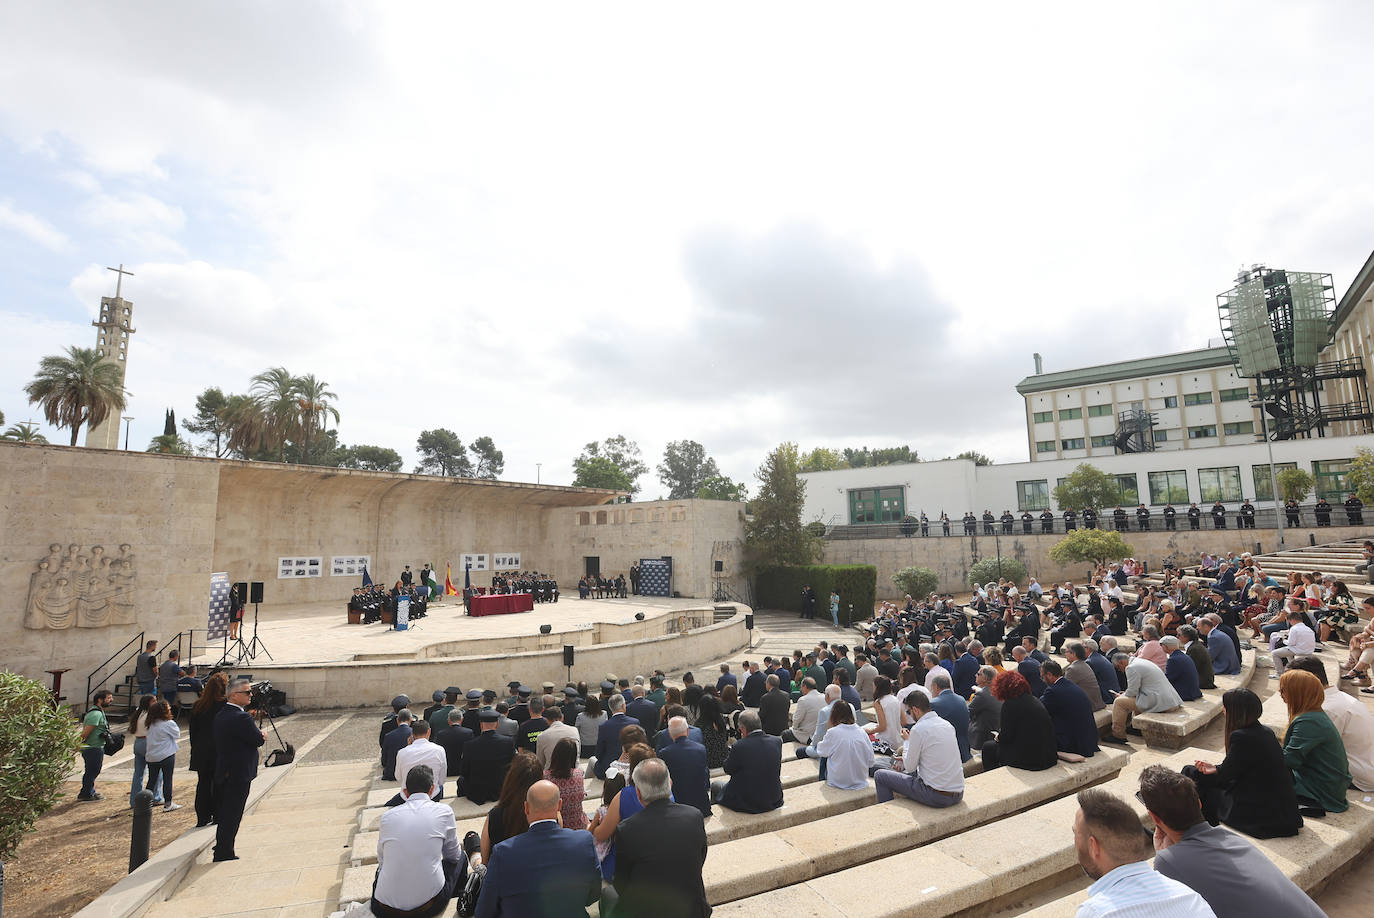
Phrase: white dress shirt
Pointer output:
(1356, 726)
(1301, 639)
(421, 752)
(413, 841)
(1135, 890)
(849, 754)
(932, 752)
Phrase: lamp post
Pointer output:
(127, 420)
(1273, 473)
(538, 471)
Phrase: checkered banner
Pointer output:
(219, 606)
(655, 576)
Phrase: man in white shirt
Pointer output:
(555, 731)
(1352, 721)
(1299, 640)
(419, 863)
(421, 751)
(804, 714)
(932, 773)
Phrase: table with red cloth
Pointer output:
(502, 604)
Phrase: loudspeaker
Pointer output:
(255, 591)
(241, 591)
(749, 621)
(568, 654)
(545, 629)
(639, 616)
(720, 566)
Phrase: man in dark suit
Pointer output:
(726, 678)
(1180, 670)
(237, 740)
(395, 741)
(486, 757)
(453, 738)
(660, 853)
(644, 711)
(755, 685)
(686, 761)
(755, 769)
(1029, 668)
(1075, 729)
(966, 670)
(608, 735)
(544, 872)
(775, 709)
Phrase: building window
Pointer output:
(1104, 440)
(1070, 414)
(1264, 485)
(1033, 495)
(1197, 398)
(877, 505)
(1202, 433)
(1169, 487)
(1219, 484)
(584, 518)
(1330, 476)
(1171, 401)
(1127, 490)
(601, 518)
(1043, 417)
(1161, 436)
(1099, 411)
(1240, 394)
(1238, 428)
(1072, 443)
(1044, 446)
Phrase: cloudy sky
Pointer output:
(735, 223)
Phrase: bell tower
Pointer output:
(112, 343)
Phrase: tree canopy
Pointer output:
(369, 458)
(977, 457)
(685, 468)
(490, 462)
(80, 387)
(210, 420)
(600, 472)
(1295, 484)
(720, 487)
(622, 453)
(1360, 478)
(23, 432)
(442, 453)
(170, 445)
(775, 534)
(1087, 486)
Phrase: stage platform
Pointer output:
(320, 633)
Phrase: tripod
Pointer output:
(238, 648)
(284, 755)
(254, 645)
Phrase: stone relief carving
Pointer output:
(72, 588)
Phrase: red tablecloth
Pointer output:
(502, 604)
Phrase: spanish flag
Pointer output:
(449, 588)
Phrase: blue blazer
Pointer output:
(1181, 672)
(965, 671)
(545, 872)
(237, 740)
(1071, 713)
(665, 739)
(646, 712)
(1106, 676)
(1225, 662)
(691, 774)
(954, 711)
(755, 769)
(608, 741)
(724, 680)
(1031, 671)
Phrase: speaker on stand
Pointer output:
(568, 651)
(255, 596)
(749, 623)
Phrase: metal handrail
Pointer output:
(183, 641)
(137, 641)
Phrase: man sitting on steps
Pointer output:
(755, 769)
(419, 863)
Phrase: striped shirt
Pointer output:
(1136, 891)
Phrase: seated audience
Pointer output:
(1312, 747)
(1081, 674)
(1180, 670)
(1252, 789)
(846, 748)
(507, 818)
(419, 862)
(1150, 648)
(485, 760)
(662, 852)
(1220, 647)
(623, 802)
(1147, 692)
(547, 870)
(396, 740)
(687, 766)
(608, 735)
(888, 725)
(931, 770)
(804, 714)
(984, 709)
(1297, 642)
(1235, 878)
(553, 734)
(1026, 735)
(755, 769)
(563, 772)
(1197, 652)
(589, 725)
(1029, 668)
(715, 732)
(774, 708)
(1070, 712)
(421, 751)
(1353, 722)
(453, 738)
(953, 710)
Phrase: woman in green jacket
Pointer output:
(1312, 747)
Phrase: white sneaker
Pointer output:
(167, 808)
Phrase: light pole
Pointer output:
(127, 420)
(538, 471)
(1273, 473)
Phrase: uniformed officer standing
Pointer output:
(1322, 511)
(1218, 515)
(987, 522)
(1089, 518)
(1070, 520)
(1247, 515)
(1142, 518)
(1292, 511)
(1119, 519)
(925, 525)
(1047, 521)
(1194, 516)
(944, 522)
(1027, 521)
(1169, 514)
(970, 524)
(1354, 511)
(1007, 521)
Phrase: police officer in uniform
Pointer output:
(1089, 518)
(925, 525)
(1354, 511)
(1070, 520)
(1007, 521)
(1119, 519)
(970, 524)
(1322, 511)
(1027, 521)
(1293, 512)
(1194, 516)
(987, 522)
(1218, 515)
(944, 522)
(1247, 515)
(1142, 518)
(1047, 521)
(1169, 514)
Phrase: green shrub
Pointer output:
(918, 582)
(780, 587)
(987, 569)
(37, 743)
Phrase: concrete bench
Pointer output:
(1171, 729)
(750, 865)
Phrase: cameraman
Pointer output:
(237, 740)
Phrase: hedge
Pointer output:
(778, 587)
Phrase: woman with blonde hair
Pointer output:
(993, 657)
(1312, 747)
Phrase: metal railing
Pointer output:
(124, 655)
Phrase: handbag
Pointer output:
(471, 891)
(113, 742)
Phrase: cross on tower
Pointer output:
(120, 272)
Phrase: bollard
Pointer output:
(141, 838)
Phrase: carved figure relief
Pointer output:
(79, 589)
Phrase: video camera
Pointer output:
(261, 695)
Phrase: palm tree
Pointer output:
(275, 392)
(80, 388)
(170, 445)
(245, 425)
(313, 404)
(24, 432)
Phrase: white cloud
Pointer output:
(32, 227)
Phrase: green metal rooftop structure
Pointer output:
(1203, 359)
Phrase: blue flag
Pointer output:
(367, 581)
